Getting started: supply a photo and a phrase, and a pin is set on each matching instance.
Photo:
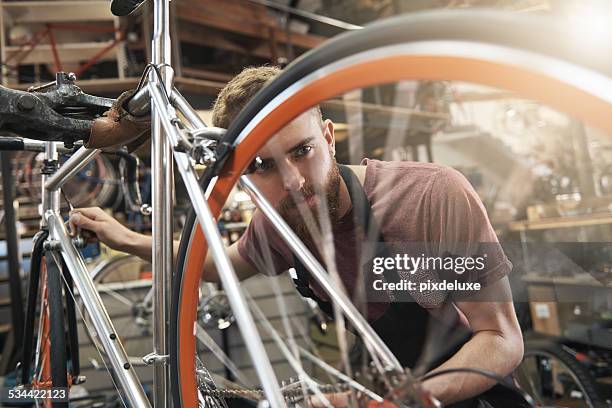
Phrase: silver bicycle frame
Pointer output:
(162, 192)
(161, 153)
(60, 242)
(122, 371)
(167, 114)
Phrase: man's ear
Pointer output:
(328, 134)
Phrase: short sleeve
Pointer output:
(460, 227)
(262, 247)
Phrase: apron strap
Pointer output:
(300, 280)
(362, 211)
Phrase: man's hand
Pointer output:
(105, 228)
(337, 400)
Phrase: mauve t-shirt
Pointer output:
(430, 205)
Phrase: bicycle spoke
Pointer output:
(220, 354)
(118, 278)
(338, 374)
(294, 362)
(105, 288)
(90, 329)
(525, 372)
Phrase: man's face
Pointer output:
(296, 170)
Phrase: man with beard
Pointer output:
(408, 202)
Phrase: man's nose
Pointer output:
(292, 177)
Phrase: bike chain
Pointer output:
(258, 394)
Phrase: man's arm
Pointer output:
(497, 345)
(243, 269)
(115, 235)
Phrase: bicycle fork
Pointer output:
(56, 241)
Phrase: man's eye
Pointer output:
(303, 150)
(260, 166)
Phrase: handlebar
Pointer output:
(16, 143)
(11, 144)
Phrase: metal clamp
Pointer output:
(52, 245)
(202, 153)
(154, 359)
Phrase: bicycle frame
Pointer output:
(60, 242)
(164, 102)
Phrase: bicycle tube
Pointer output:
(487, 48)
(71, 320)
(584, 378)
(30, 316)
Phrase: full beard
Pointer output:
(295, 208)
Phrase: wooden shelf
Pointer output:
(561, 222)
(57, 11)
(579, 280)
(251, 20)
(72, 47)
(194, 72)
(73, 52)
(198, 85)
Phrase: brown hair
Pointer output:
(239, 91)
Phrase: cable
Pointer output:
(486, 373)
(149, 66)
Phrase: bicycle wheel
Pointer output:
(95, 185)
(49, 368)
(124, 284)
(554, 377)
(485, 48)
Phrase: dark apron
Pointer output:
(406, 341)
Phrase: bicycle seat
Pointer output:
(122, 8)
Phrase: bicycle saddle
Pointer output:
(122, 8)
